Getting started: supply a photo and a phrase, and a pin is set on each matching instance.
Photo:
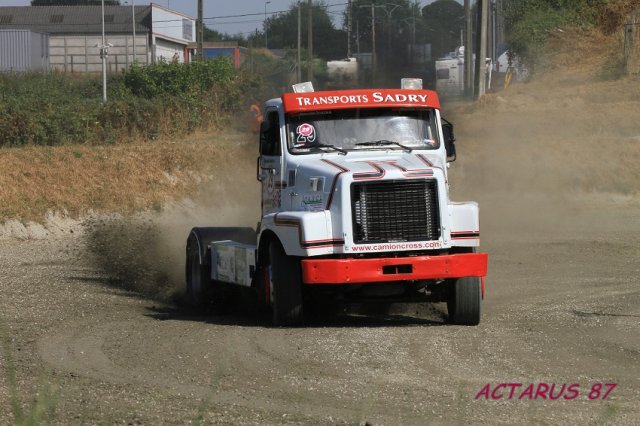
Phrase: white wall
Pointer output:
(168, 51)
(79, 53)
(172, 25)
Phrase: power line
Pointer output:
(238, 22)
(273, 12)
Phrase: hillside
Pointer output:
(571, 130)
(58, 186)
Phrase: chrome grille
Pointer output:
(395, 211)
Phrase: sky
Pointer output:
(230, 24)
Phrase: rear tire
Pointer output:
(285, 278)
(198, 282)
(202, 292)
(464, 301)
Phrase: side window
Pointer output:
(270, 134)
(442, 74)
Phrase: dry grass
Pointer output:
(568, 131)
(581, 53)
(121, 178)
(616, 14)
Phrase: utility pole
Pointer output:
(255, 46)
(358, 38)
(373, 40)
(266, 37)
(630, 41)
(298, 63)
(481, 68)
(349, 29)
(389, 13)
(133, 19)
(200, 32)
(103, 54)
(468, 51)
(499, 23)
(310, 42)
(412, 51)
(373, 44)
(494, 32)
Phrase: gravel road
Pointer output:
(562, 307)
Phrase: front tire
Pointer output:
(285, 276)
(464, 301)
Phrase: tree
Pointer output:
(214, 35)
(74, 2)
(328, 42)
(444, 20)
(395, 22)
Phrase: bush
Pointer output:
(175, 79)
(45, 109)
(166, 99)
(529, 22)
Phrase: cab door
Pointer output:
(270, 163)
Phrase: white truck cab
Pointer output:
(355, 205)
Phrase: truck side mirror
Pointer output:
(258, 174)
(264, 130)
(270, 135)
(449, 140)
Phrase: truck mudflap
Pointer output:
(375, 270)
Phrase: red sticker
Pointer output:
(306, 134)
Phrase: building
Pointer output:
(225, 49)
(75, 35)
(23, 50)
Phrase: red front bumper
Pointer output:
(375, 270)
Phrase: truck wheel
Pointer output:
(197, 275)
(286, 287)
(262, 289)
(464, 301)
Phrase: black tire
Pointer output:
(286, 287)
(262, 290)
(202, 291)
(197, 276)
(464, 301)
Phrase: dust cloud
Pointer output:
(145, 253)
(537, 155)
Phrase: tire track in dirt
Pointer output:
(81, 349)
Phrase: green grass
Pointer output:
(41, 407)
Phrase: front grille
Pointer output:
(395, 211)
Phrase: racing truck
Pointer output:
(354, 207)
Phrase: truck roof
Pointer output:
(359, 98)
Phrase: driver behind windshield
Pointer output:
(362, 129)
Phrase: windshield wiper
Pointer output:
(382, 142)
(326, 145)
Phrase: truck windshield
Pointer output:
(362, 129)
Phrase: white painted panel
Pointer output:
(232, 262)
(169, 51)
(178, 27)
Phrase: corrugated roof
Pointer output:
(74, 19)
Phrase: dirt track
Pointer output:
(562, 307)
